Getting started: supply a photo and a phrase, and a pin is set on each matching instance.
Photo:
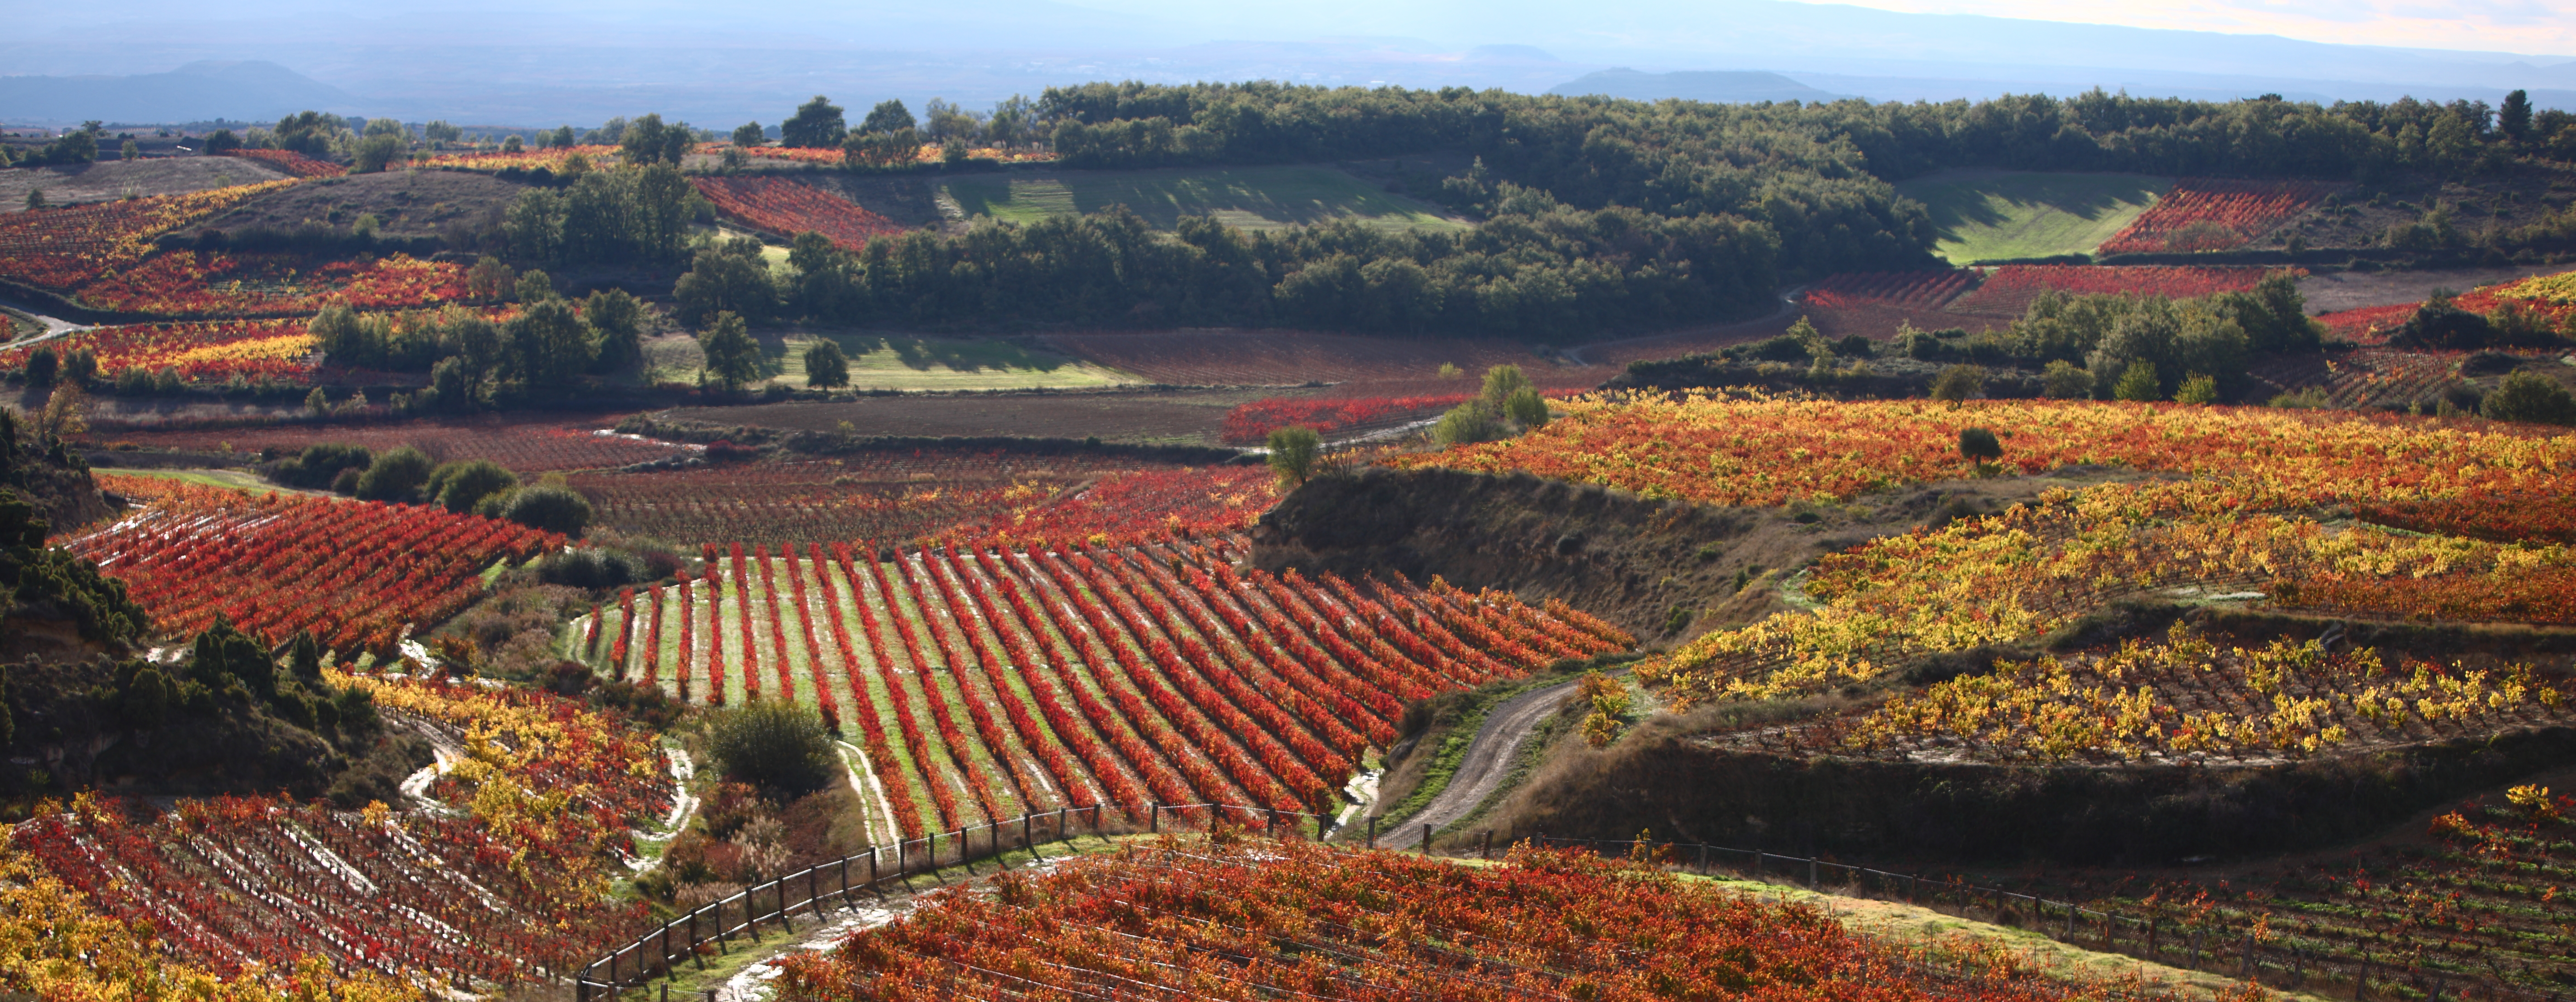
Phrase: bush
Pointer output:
(2064, 380)
(320, 465)
(592, 569)
(2138, 382)
(1526, 408)
(461, 486)
(1467, 423)
(2310, 398)
(2198, 388)
(2529, 396)
(397, 475)
(778, 746)
(1501, 382)
(1293, 451)
(553, 509)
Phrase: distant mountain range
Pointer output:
(1713, 86)
(547, 62)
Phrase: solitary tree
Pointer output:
(1293, 451)
(2514, 118)
(826, 366)
(1958, 383)
(553, 509)
(1980, 446)
(749, 134)
(733, 358)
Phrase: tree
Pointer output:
(310, 133)
(513, 145)
(440, 134)
(888, 116)
(826, 366)
(42, 364)
(749, 134)
(130, 151)
(619, 319)
(221, 142)
(2514, 118)
(1293, 451)
(780, 746)
(1501, 382)
(2138, 383)
(2529, 396)
(534, 286)
(816, 125)
(733, 358)
(35, 198)
(732, 278)
(385, 127)
(2197, 388)
(462, 485)
(550, 343)
(375, 153)
(1980, 446)
(552, 509)
(1958, 383)
(2064, 380)
(561, 138)
(66, 413)
(881, 149)
(396, 475)
(1467, 423)
(945, 122)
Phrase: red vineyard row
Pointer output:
(2203, 214)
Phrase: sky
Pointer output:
(2529, 26)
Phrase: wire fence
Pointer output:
(2243, 954)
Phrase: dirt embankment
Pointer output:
(1630, 559)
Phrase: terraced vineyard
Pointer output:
(979, 684)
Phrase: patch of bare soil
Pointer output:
(2352, 290)
(66, 184)
(405, 203)
(1165, 418)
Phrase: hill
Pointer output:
(1256, 198)
(1716, 87)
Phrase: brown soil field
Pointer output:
(113, 179)
(1230, 357)
(2352, 290)
(524, 443)
(405, 203)
(1173, 418)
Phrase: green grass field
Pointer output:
(913, 363)
(1995, 215)
(239, 480)
(1246, 197)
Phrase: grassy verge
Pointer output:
(1993, 215)
(238, 480)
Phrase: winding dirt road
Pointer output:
(1489, 757)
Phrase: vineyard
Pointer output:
(984, 683)
(455, 893)
(943, 496)
(1922, 290)
(189, 283)
(492, 160)
(205, 351)
(68, 247)
(293, 163)
(355, 574)
(1234, 919)
(2549, 298)
(2008, 291)
(2365, 377)
(1252, 423)
(2203, 214)
(784, 207)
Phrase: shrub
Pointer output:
(461, 486)
(773, 744)
(1501, 382)
(2137, 382)
(2309, 398)
(1467, 423)
(1526, 408)
(2064, 380)
(1293, 450)
(320, 465)
(2198, 388)
(2529, 396)
(553, 509)
(592, 569)
(396, 475)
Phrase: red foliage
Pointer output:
(782, 206)
(1914, 289)
(2011, 288)
(2202, 214)
(292, 162)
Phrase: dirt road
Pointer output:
(1489, 757)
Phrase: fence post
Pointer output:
(1703, 856)
(1155, 826)
(2245, 971)
(780, 885)
(693, 938)
(2070, 921)
(813, 890)
(1486, 851)
(1426, 839)
(1270, 829)
(1027, 841)
(901, 855)
(2361, 981)
(845, 879)
(1372, 834)
(1811, 873)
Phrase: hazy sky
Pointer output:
(2488, 25)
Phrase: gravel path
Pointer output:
(1489, 757)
